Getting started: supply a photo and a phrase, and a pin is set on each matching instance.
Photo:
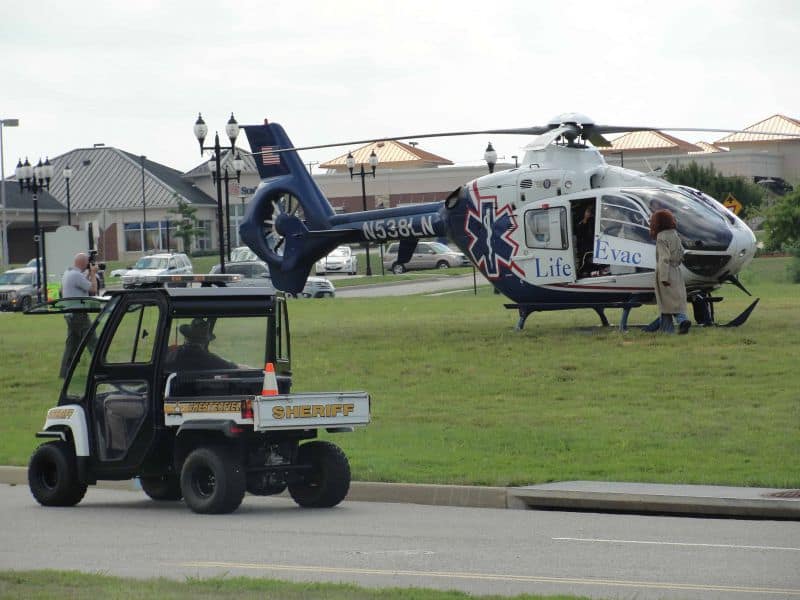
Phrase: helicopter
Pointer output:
(517, 226)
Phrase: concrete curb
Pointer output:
(588, 496)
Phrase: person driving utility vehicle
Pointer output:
(193, 354)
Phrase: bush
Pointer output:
(783, 223)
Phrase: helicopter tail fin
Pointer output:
(285, 206)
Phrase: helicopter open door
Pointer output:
(622, 236)
(547, 256)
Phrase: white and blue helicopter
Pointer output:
(518, 227)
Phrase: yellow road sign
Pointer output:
(732, 204)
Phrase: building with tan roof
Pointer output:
(391, 155)
(770, 154)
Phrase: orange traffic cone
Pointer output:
(270, 386)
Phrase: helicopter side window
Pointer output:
(623, 218)
(546, 228)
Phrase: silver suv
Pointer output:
(427, 255)
(156, 264)
(17, 289)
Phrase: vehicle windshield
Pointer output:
(16, 279)
(699, 226)
(341, 251)
(213, 343)
(439, 247)
(242, 253)
(151, 262)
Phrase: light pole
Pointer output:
(238, 165)
(490, 156)
(200, 132)
(144, 207)
(67, 174)
(35, 179)
(373, 162)
(3, 225)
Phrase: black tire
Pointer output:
(213, 480)
(327, 482)
(163, 488)
(25, 303)
(53, 475)
(442, 264)
(398, 269)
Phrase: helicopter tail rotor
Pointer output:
(288, 202)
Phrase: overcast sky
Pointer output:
(134, 74)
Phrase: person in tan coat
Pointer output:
(669, 285)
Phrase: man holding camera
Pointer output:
(79, 281)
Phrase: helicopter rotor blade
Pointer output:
(593, 131)
(511, 131)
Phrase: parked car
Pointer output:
(156, 264)
(340, 260)
(427, 255)
(255, 273)
(17, 288)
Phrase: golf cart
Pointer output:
(168, 386)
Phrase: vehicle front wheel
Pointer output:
(443, 264)
(53, 475)
(25, 303)
(213, 480)
(327, 481)
(164, 487)
(398, 269)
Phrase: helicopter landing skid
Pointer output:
(526, 309)
(703, 308)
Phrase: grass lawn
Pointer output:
(460, 397)
(60, 584)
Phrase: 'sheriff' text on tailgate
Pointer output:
(310, 411)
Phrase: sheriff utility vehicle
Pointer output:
(171, 385)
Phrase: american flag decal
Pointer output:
(268, 155)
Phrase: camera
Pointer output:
(93, 260)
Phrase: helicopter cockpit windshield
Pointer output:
(699, 226)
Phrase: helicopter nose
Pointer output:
(743, 247)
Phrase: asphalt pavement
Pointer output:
(379, 544)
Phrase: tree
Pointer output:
(708, 180)
(186, 228)
(783, 223)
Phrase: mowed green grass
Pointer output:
(458, 396)
(61, 584)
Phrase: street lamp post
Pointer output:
(35, 179)
(144, 207)
(490, 156)
(200, 132)
(238, 164)
(3, 224)
(373, 163)
(67, 174)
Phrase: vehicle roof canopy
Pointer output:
(214, 301)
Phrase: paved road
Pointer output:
(375, 544)
(425, 286)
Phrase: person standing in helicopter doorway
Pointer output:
(669, 284)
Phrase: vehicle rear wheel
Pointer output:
(53, 475)
(213, 480)
(398, 269)
(327, 482)
(442, 264)
(164, 487)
